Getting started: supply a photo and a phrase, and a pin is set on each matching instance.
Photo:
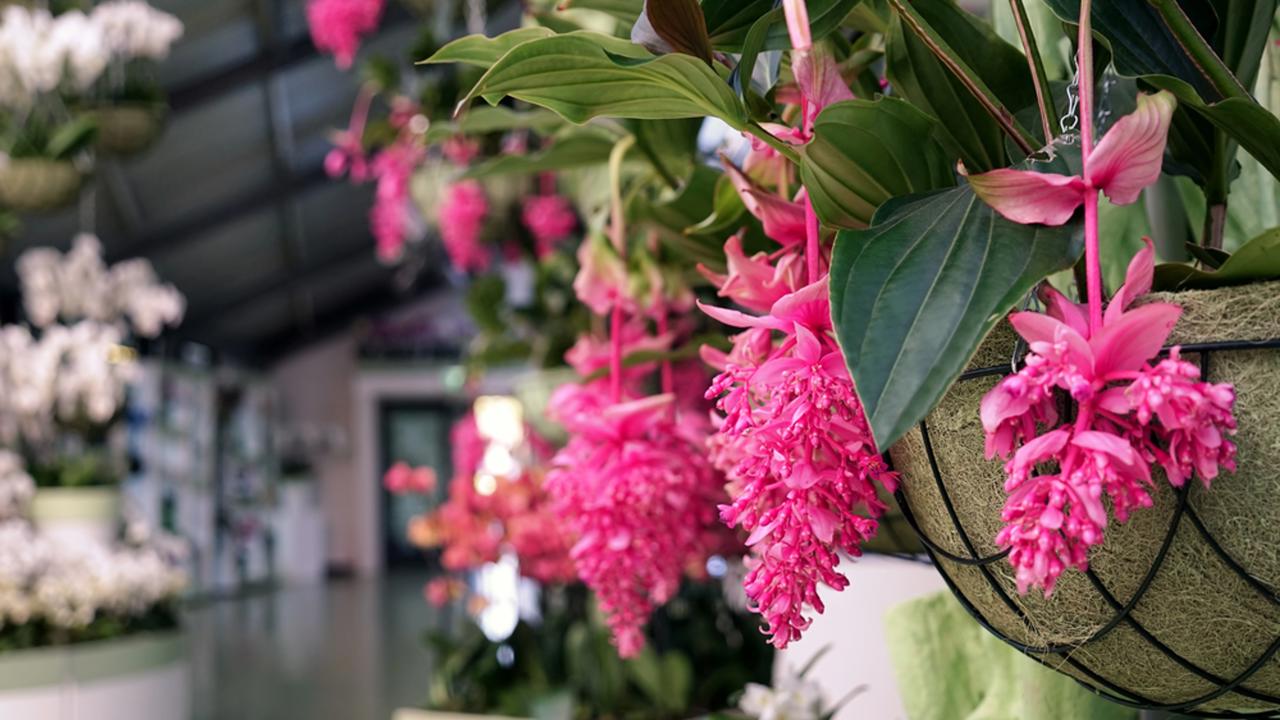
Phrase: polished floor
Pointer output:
(346, 650)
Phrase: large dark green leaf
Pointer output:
(579, 77)
(914, 295)
(569, 152)
(1256, 260)
(863, 153)
(996, 81)
(729, 21)
(1140, 42)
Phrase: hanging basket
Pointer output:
(1179, 610)
(37, 184)
(129, 128)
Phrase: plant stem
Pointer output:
(812, 232)
(1206, 60)
(772, 141)
(1092, 256)
(962, 72)
(1216, 188)
(1044, 97)
(618, 236)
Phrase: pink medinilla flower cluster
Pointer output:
(635, 487)
(1131, 414)
(802, 466)
(337, 26)
(463, 211)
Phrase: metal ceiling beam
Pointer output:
(287, 282)
(191, 227)
(267, 61)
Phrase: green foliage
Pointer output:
(581, 76)
(576, 150)
(954, 67)
(1258, 259)
(914, 295)
(566, 667)
(864, 153)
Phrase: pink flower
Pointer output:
(1129, 415)
(755, 282)
(783, 219)
(1125, 161)
(403, 479)
(795, 445)
(338, 25)
(443, 590)
(550, 219)
(602, 276)
(460, 150)
(639, 494)
(390, 216)
(462, 216)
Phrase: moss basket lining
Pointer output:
(1179, 610)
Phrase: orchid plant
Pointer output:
(879, 184)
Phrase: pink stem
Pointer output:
(813, 246)
(360, 112)
(547, 183)
(615, 352)
(668, 380)
(1092, 254)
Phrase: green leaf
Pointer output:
(1212, 258)
(726, 212)
(863, 153)
(729, 21)
(483, 51)
(71, 137)
(914, 295)
(987, 81)
(681, 24)
(484, 120)
(671, 145)
(1255, 261)
(580, 77)
(572, 151)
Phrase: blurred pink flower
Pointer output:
(462, 216)
(602, 276)
(389, 218)
(1130, 415)
(401, 478)
(550, 219)
(338, 25)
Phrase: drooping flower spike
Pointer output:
(793, 440)
(1131, 412)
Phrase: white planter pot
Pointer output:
(124, 679)
(88, 514)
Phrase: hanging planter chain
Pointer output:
(1123, 611)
